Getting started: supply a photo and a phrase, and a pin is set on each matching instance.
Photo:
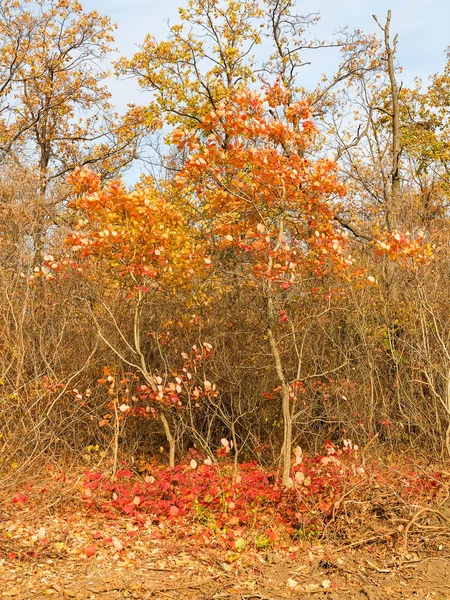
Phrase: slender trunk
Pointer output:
(284, 384)
(39, 225)
(285, 403)
(395, 199)
(285, 410)
(236, 452)
(170, 439)
(393, 196)
(116, 439)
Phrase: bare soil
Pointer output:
(371, 572)
(378, 546)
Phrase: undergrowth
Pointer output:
(211, 503)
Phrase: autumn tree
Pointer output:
(142, 249)
(386, 154)
(55, 107)
(273, 206)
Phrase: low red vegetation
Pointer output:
(226, 502)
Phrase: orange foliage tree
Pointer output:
(271, 206)
(138, 242)
(55, 108)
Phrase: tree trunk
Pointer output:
(170, 439)
(284, 384)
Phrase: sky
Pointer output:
(423, 28)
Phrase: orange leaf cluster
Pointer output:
(138, 235)
(403, 248)
(249, 168)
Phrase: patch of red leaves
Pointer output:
(229, 503)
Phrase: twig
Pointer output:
(365, 541)
(414, 519)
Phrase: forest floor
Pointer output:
(170, 571)
(377, 547)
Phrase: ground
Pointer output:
(146, 567)
(353, 576)
(385, 537)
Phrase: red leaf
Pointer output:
(19, 498)
(90, 550)
(124, 473)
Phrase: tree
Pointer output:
(379, 150)
(273, 206)
(55, 110)
(140, 246)
(197, 74)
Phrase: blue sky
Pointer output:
(423, 27)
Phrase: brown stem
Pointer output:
(170, 439)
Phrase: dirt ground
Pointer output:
(378, 547)
(353, 574)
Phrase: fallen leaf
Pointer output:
(90, 550)
(117, 544)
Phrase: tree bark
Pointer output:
(170, 439)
